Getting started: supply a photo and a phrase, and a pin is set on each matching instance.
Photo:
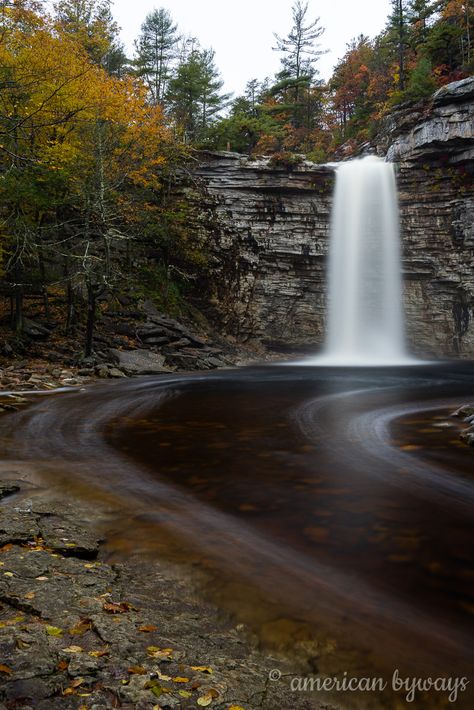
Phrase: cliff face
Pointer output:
(433, 148)
(267, 231)
(267, 227)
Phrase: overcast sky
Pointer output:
(241, 31)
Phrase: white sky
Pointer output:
(241, 31)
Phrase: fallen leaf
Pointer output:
(184, 693)
(156, 652)
(148, 629)
(76, 683)
(81, 628)
(30, 595)
(117, 607)
(236, 707)
(73, 649)
(53, 631)
(162, 676)
(179, 679)
(100, 653)
(5, 669)
(136, 670)
(8, 574)
(41, 579)
(202, 669)
(6, 547)
(62, 665)
(207, 699)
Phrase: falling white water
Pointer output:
(365, 317)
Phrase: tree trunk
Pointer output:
(44, 288)
(18, 308)
(91, 303)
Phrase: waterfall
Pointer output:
(365, 314)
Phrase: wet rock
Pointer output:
(69, 538)
(466, 410)
(8, 488)
(468, 436)
(17, 526)
(28, 689)
(116, 373)
(139, 362)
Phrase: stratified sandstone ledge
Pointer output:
(79, 633)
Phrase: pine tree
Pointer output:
(156, 50)
(195, 94)
(398, 29)
(300, 54)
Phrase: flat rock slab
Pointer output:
(80, 634)
(139, 362)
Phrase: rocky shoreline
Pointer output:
(81, 632)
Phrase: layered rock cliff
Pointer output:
(433, 147)
(267, 232)
(267, 229)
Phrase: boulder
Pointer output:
(139, 362)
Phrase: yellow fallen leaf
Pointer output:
(184, 693)
(77, 682)
(8, 574)
(53, 631)
(207, 699)
(5, 669)
(100, 653)
(41, 579)
(156, 652)
(178, 679)
(202, 669)
(236, 707)
(148, 628)
(73, 649)
(30, 595)
(162, 676)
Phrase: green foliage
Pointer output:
(194, 95)
(421, 82)
(156, 51)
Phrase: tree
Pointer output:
(397, 29)
(195, 95)
(90, 24)
(300, 54)
(156, 49)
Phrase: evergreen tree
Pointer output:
(421, 82)
(156, 50)
(195, 95)
(300, 54)
(397, 29)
